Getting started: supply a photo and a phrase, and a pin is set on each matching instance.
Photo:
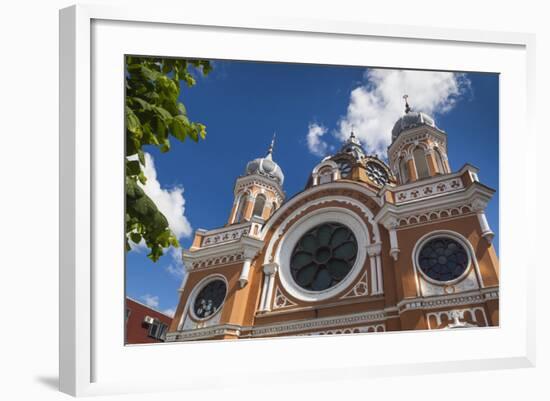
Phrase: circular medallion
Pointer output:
(323, 256)
(209, 299)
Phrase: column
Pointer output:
(411, 167)
(270, 270)
(373, 271)
(432, 164)
(248, 254)
(391, 225)
(479, 208)
(373, 251)
(245, 272)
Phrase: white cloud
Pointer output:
(151, 301)
(375, 106)
(176, 268)
(170, 312)
(170, 202)
(315, 143)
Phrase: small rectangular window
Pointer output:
(157, 330)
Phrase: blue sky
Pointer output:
(311, 108)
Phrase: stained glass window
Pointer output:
(323, 256)
(443, 259)
(209, 299)
(345, 168)
(377, 173)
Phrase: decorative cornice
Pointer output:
(245, 247)
(423, 190)
(427, 205)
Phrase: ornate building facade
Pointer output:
(365, 247)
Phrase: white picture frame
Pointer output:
(92, 363)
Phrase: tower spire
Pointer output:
(407, 107)
(270, 150)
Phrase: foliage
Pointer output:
(154, 115)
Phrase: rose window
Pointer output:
(443, 259)
(323, 256)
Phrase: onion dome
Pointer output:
(353, 147)
(266, 167)
(411, 119)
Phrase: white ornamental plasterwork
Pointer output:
(246, 182)
(281, 301)
(375, 328)
(448, 300)
(190, 324)
(432, 215)
(216, 261)
(469, 283)
(225, 236)
(360, 289)
(458, 318)
(319, 323)
(428, 190)
(415, 139)
(320, 201)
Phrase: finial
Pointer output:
(270, 150)
(352, 135)
(407, 107)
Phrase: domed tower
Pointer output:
(258, 193)
(418, 149)
(352, 163)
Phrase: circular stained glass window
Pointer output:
(443, 259)
(377, 173)
(323, 256)
(210, 299)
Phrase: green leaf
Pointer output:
(133, 167)
(180, 127)
(132, 122)
(135, 237)
(141, 157)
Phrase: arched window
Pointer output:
(259, 206)
(439, 161)
(325, 175)
(421, 163)
(240, 208)
(403, 171)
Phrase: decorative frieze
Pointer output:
(215, 261)
(230, 234)
(432, 215)
(426, 191)
(446, 301)
(374, 328)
